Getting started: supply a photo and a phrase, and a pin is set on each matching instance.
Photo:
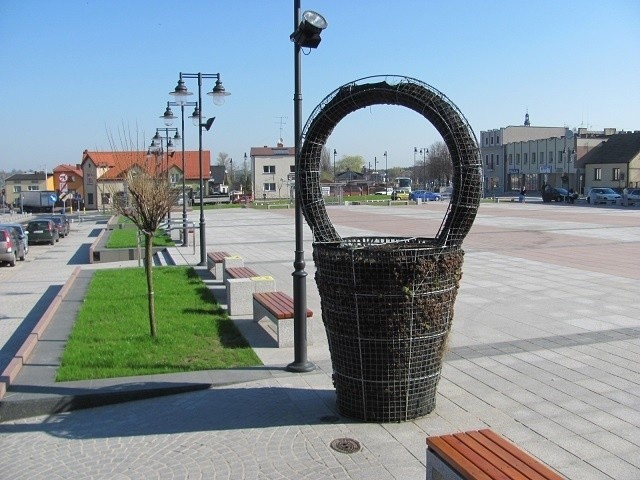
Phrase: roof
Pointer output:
(272, 151)
(119, 162)
(66, 168)
(34, 176)
(619, 148)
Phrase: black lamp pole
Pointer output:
(305, 34)
(168, 120)
(181, 93)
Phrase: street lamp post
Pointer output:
(424, 152)
(386, 169)
(181, 94)
(306, 34)
(334, 164)
(157, 148)
(168, 121)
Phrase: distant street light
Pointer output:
(168, 118)
(386, 168)
(334, 165)
(181, 94)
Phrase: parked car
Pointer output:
(557, 194)
(425, 196)
(400, 195)
(62, 223)
(11, 248)
(22, 234)
(43, 230)
(603, 195)
(631, 196)
(384, 191)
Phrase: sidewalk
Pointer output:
(544, 350)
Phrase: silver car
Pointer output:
(11, 248)
(603, 195)
(23, 235)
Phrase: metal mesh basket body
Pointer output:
(387, 303)
(387, 306)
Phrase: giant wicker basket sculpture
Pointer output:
(387, 302)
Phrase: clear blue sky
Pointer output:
(73, 71)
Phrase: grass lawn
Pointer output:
(111, 337)
(126, 238)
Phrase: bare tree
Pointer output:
(439, 164)
(146, 201)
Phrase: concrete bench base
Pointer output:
(215, 263)
(240, 293)
(277, 308)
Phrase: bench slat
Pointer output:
(279, 304)
(530, 465)
(484, 454)
(240, 272)
(448, 448)
(217, 257)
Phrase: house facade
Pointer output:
(26, 182)
(273, 171)
(613, 163)
(103, 172)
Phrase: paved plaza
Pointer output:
(544, 349)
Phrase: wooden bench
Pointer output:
(239, 272)
(215, 259)
(482, 455)
(278, 307)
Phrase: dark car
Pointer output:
(557, 194)
(43, 230)
(62, 223)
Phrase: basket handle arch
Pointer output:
(407, 92)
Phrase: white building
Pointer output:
(272, 171)
(499, 176)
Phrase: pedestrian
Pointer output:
(523, 194)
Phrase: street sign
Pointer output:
(52, 198)
(291, 177)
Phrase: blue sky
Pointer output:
(76, 72)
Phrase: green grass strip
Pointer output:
(111, 335)
(126, 238)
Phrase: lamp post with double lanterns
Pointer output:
(306, 34)
(180, 95)
(158, 149)
(168, 118)
(423, 151)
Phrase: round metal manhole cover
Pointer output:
(345, 445)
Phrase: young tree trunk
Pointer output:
(148, 267)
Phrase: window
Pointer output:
(90, 198)
(292, 168)
(597, 174)
(17, 189)
(517, 159)
(491, 161)
(550, 157)
(498, 139)
(497, 159)
(486, 140)
(525, 158)
(559, 157)
(615, 174)
(491, 140)
(541, 157)
(174, 178)
(268, 169)
(33, 188)
(486, 159)
(511, 159)
(269, 187)
(533, 158)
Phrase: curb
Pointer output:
(9, 374)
